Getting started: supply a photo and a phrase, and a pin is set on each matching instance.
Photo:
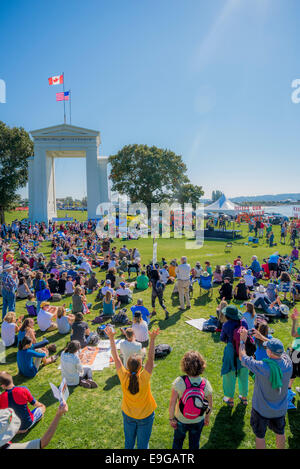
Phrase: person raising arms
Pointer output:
(138, 404)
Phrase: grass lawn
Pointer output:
(80, 215)
(94, 419)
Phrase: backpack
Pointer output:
(192, 403)
(120, 318)
(250, 346)
(162, 350)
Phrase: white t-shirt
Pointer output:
(123, 291)
(140, 331)
(44, 320)
(69, 287)
(164, 275)
(248, 280)
(8, 332)
(128, 349)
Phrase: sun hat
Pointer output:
(261, 289)
(8, 267)
(232, 312)
(275, 345)
(45, 303)
(249, 271)
(9, 425)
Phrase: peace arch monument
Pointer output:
(64, 141)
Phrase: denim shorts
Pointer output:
(260, 424)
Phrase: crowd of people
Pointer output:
(68, 274)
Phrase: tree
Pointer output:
(15, 148)
(147, 174)
(216, 195)
(188, 193)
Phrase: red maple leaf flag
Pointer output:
(56, 80)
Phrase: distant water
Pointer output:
(286, 210)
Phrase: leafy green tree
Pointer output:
(147, 174)
(216, 195)
(15, 148)
(188, 193)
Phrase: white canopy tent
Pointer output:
(222, 205)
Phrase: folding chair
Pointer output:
(205, 283)
(286, 288)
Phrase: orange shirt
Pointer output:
(142, 404)
(172, 272)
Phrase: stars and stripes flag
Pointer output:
(63, 96)
(56, 80)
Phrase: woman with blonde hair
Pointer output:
(186, 416)
(64, 321)
(138, 404)
(10, 327)
(108, 304)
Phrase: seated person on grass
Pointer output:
(124, 295)
(129, 346)
(142, 281)
(226, 290)
(241, 291)
(142, 309)
(29, 359)
(18, 398)
(44, 318)
(10, 424)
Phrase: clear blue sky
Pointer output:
(211, 80)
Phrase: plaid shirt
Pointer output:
(8, 282)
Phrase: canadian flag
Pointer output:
(57, 80)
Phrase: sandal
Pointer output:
(243, 400)
(229, 403)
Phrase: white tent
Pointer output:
(222, 205)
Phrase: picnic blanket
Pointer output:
(97, 358)
(197, 323)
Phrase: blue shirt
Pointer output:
(268, 402)
(143, 310)
(25, 362)
(273, 259)
(255, 266)
(228, 329)
(249, 319)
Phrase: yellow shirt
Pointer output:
(172, 272)
(142, 404)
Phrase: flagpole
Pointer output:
(64, 97)
(70, 108)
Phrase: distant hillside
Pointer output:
(267, 198)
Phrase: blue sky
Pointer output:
(210, 80)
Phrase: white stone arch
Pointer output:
(64, 141)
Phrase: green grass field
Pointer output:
(94, 419)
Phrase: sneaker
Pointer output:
(85, 384)
(93, 384)
(153, 313)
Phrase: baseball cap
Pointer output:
(108, 282)
(275, 345)
(122, 284)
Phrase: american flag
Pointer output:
(63, 96)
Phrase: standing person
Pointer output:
(183, 272)
(270, 395)
(18, 398)
(138, 404)
(192, 365)
(232, 369)
(9, 287)
(157, 291)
